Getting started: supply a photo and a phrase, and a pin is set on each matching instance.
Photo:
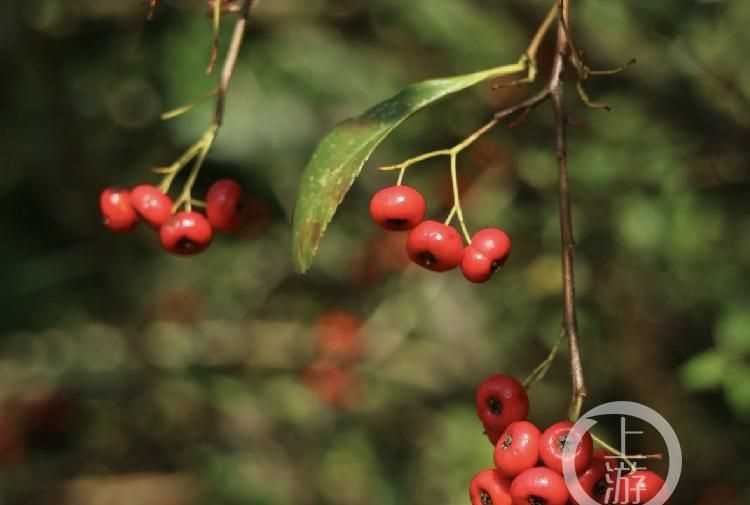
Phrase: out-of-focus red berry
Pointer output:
(224, 205)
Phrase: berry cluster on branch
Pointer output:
(182, 232)
(528, 466)
(438, 246)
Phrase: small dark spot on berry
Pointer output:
(397, 224)
(426, 258)
(507, 442)
(536, 500)
(186, 245)
(562, 441)
(485, 498)
(495, 405)
(495, 265)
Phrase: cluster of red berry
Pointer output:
(529, 462)
(339, 346)
(434, 245)
(184, 233)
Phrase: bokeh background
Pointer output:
(131, 376)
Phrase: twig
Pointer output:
(536, 41)
(198, 151)
(230, 62)
(216, 25)
(627, 458)
(554, 90)
(541, 370)
(570, 322)
(529, 56)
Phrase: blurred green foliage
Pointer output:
(130, 375)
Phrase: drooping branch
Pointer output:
(570, 319)
(554, 90)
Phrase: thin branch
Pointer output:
(570, 321)
(230, 62)
(536, 41)
(529, 56)
(541, 370)
(554, 90)
(216, 26)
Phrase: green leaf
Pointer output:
(733, 330)
(339, 158)
(704, 371)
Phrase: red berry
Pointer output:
(339, 336)
(335, 386)
(488, 487)
(593, 480)
(224, 205)
(493, 243)
(501, 400)
(539, 486)
(151, 204)
(634, 488)
(398, 208)
(475, 266)
(186, 233)
(488, 251)
(553, 442)
(117, 209)
(517, 448)
(435, 246)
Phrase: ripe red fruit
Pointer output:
(151, 204)
(186, 233)
(501, 400)
(539, 486)
(398, 207)
(335, 386)
(488, 250)
(517, 448)
(224, 205)
(339, 336)
(117, 209)
(488, 487)
(435, 246)
(475, 266)
(593, 480)
(493, 243)
(634, 488)
(553, 442)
